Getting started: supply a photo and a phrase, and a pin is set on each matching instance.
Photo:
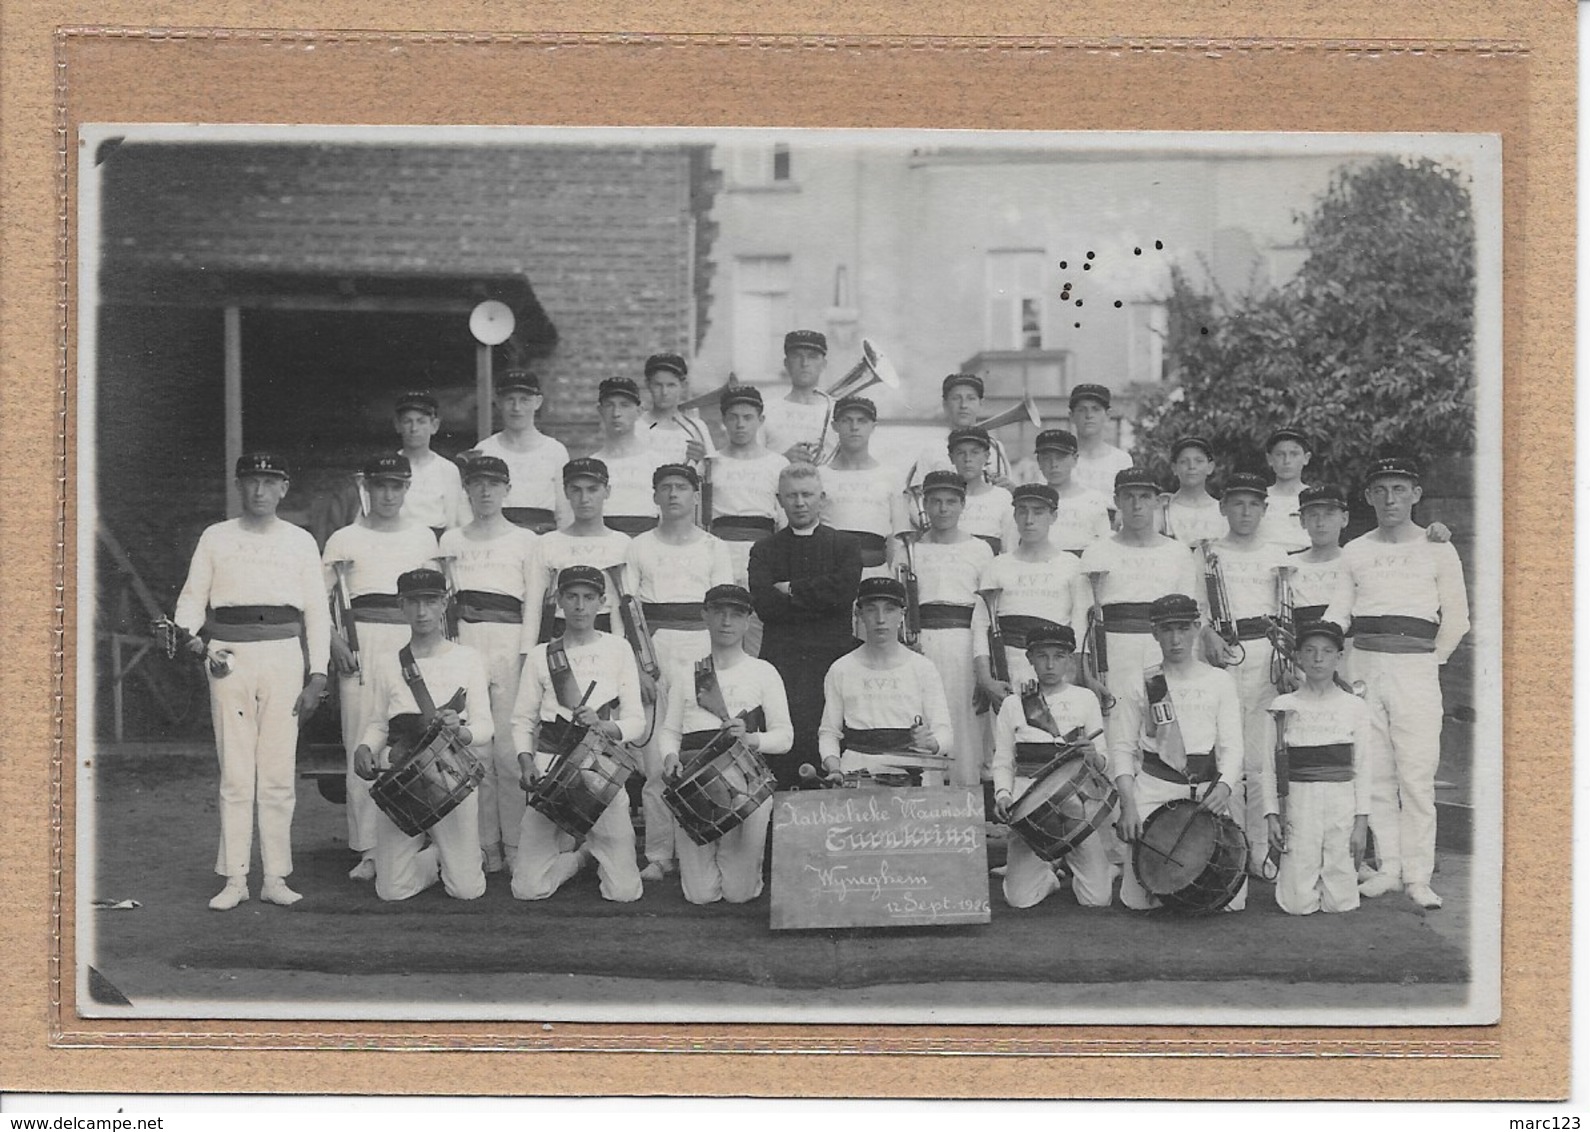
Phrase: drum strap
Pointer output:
(709, 697)
(564, 685)
(1036, 709)
(422, 694)
(1162, 721)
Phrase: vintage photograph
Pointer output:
(741, 575)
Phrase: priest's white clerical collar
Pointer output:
(807, 533)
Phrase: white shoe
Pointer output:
(1379, 885)
(1364, 873)
(493, 862)
(657, 870)
(364, 870)
(997, 871)
(235, 892)
(1424, 896)
(275, 891)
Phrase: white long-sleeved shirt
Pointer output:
(1055, 589)
(1208, 709)
(1250, 576)
(987, 514)
(535, 477)
(1281, 524)
(608, 661)
(558, 550)
(435, 497)
(1097, 473)
(1321, 720)
(277, 566)
(786, 424)
(660, 428)
(376, 559)
(1079, 521)
(861, 697)
(1071, 707)
(1191, 525)
(1418, 578)
(865, 499)
(1142, 573)
(747, 487)
(629, 476)
(455, 666)
(748, 684)
(508, 563)
(669, 572)
(935, 457)
(949, 572)
(1315, 583)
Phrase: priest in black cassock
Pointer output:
(803, 581)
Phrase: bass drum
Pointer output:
(1189, 858)
(422, 787)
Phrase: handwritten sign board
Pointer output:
(903, 857)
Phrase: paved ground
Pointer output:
(576, 954)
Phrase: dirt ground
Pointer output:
(343, 953)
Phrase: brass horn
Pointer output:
(872, 369)
(702, 400)
(1026, 410)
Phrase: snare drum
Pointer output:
(1063, 807)
(723, 785)
(425, 785)
(1190, 858)
(579, 786)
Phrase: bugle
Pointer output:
(1095, 654)
(911, 630)
(638, 634)
(998, 659)
(172, 637)
(1283, 635)
(1025, 411)
(450, 616)
(872, 369)
(342, 614)
(702, 400)
(1220, 617)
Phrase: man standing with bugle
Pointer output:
(1247, 568)
(803, 583)
(364, 561)
(534, 459)
(728, 692)
(670, 568)
(1405, 598)
(665, 382)
(631, 456)
(500, 581)
(797, 423)
(744, 504)
(254, 584)
(863, 495)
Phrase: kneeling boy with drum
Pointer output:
(577, 689)
(1176, 735)
(1029, 733)
(407, 684)
(733, 697)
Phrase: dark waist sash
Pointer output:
(538, 519)
(1252, 628)
(1015, 627)
(1035, 756)
(1303, 614)
(377, 609)
(554, 734)
(253, 623)
(742, 528)
(872, 547)
(876, 740)
(942, 615)
(1394, 633)
(1200, 768)
(685, 615)
(403, 731)
(631, 525)
(1127, 617)
(482, 605)
(1331, 762)
(692, 741)
(997, 543)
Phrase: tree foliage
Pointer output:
(1368, 349)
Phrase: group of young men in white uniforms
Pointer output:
(518, 577)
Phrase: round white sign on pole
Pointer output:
(491, 322)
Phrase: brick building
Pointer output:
(271, 295)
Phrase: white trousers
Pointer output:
(256, 741)
(1152, 793)
(677, 653)
(1404, 697)
(403, 868)
(1130, 653)
(731, 867)
(950, 650)
(501, 798)
(358, 709)
(1317, 868)
(1256, 694)
(546, 857)
(1030, 879)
